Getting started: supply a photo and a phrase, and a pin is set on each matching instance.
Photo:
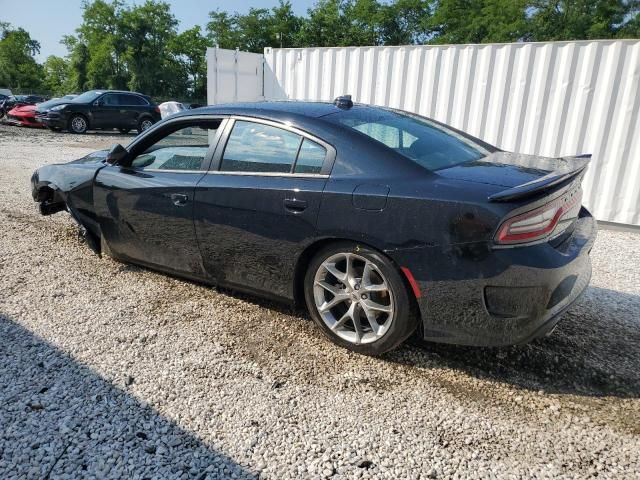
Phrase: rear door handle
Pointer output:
(179, 199)
(295, 205)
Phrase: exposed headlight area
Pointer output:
(57, 108)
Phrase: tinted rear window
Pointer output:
(131, 99)
(426, 143)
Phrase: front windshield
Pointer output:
(87, 97)
(427, 143)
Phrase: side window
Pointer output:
(255, 147)
(310, 158)
(182, 149)
(125, 100)
(130, 100)
(110, 100)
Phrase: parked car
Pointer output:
(383, 222)
(42, 108)
(103, 110)
(13, 101)
(24, 115)
(4, 93)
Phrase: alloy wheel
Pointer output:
(146, 124)
(353, 298)
(78, 124)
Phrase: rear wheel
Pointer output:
(358, 298)
(145, 124)
(78, 124)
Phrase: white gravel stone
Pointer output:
(113, 371)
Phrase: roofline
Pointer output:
(459, 45)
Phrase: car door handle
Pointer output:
(294, 205)
(179, 199)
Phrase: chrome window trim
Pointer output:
(142, 169)
(269, 174)
(327, 165)
(206, 163)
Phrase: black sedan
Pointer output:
(101, 110)
(383, 222)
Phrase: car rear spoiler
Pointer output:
(574, 167)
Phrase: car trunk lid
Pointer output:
(524, 176)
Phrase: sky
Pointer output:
(47, 21)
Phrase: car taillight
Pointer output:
(539, 223)
(157, 109)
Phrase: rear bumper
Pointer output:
(478, 295)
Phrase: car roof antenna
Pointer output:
(343, 101)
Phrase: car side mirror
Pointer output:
(118, 155)
(97, 103)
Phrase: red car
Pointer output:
(24, 115)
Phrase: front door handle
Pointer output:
(295, 205)
(179, 199)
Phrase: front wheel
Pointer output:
(144, 124)
(78, 124)
(358, 298)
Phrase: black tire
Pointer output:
(404, 320)
(144, 124)
(124, 131)
(78, 124)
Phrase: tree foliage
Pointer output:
(18, 67)
(140, 47)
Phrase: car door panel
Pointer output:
(252, 228)
(145, 210)
(147, 216)
(103, 111)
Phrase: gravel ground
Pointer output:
(113, 371)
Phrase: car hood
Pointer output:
(93, 157)
(44, 106)
(507, 169)
(24, 109)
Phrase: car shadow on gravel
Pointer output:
(594, 351)
(59, 418)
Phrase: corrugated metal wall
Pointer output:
(233, 76)
(550, 99)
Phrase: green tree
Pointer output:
(148, 29)
(100, 31)
(324, 26)
(78, 61)
(56, 75)
(285, 25)
(479, 21)
(362, 22)
(581, 19)
(222, 29)
(18, 67)
(405, 22)
(256, 30)
(189, 48)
